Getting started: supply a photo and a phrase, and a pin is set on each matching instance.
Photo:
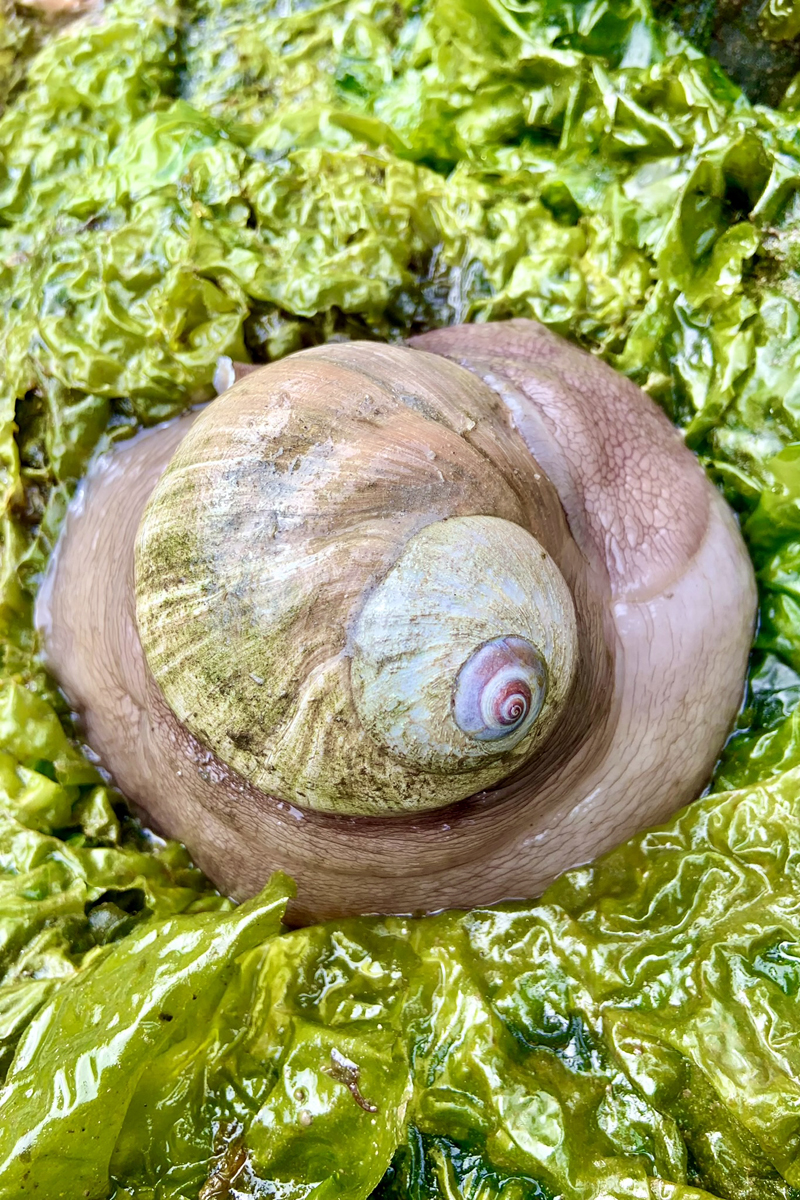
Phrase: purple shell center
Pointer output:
(511, 702)
(500, 689)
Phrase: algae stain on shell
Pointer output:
(266, 626)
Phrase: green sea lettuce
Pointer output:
(631, 1035)
(247, 177)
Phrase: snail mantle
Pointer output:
(422, 626)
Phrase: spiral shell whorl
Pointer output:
(500, 689)
(473, 624)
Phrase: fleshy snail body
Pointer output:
(422, 626)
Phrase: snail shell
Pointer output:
(354, 544)
(420, 625)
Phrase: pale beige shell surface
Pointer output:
(457, 586)
(267, 559)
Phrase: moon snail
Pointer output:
(421, 625)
